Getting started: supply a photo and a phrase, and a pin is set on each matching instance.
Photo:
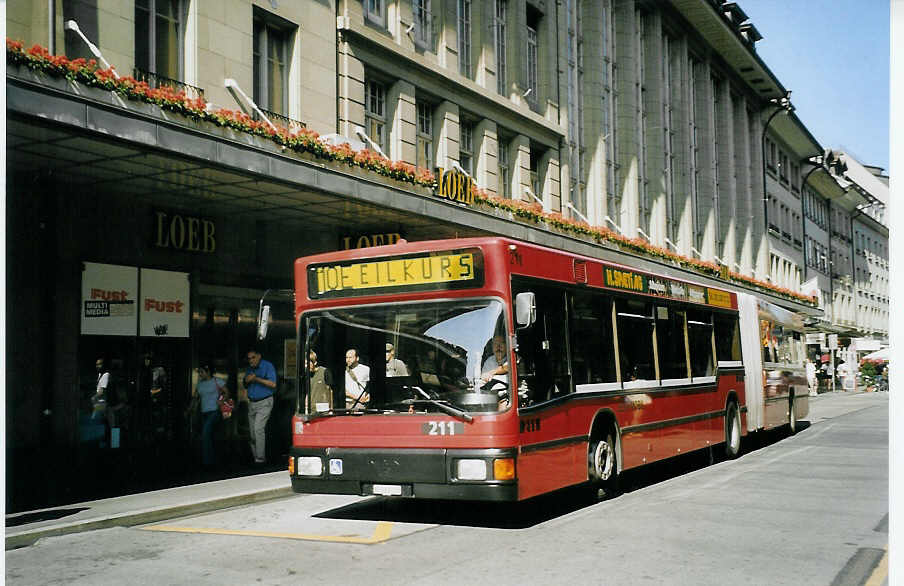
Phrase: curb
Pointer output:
(25, 537)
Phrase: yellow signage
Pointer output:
(378, 274)
(718, 298)
(625, 280)
(454, 186)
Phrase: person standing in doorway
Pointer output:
(260, 382)
(210, 391)
(99, 399)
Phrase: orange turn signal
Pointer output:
(291, 466)
(504, 469)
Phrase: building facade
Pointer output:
(657, 120)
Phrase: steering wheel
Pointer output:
(494, 385)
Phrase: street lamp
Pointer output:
(71, 25)
(782, 104)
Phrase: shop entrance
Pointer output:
(224, 327)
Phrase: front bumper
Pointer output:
(418, 473)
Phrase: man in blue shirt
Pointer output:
(260, 382)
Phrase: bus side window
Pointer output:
(728, 337)
(700, 339)
(635, 339)
(670, 343)
(592, 345)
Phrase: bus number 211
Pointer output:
(442, 428)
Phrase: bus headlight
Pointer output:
(471, 470)
(310, 466)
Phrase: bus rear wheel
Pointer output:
(732, 431)
(602, 461)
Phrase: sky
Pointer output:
(834, 56)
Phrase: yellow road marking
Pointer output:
(880, 573)
(382, 532)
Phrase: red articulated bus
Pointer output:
(493, 369)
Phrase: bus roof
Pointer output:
(584, 270)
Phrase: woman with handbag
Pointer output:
(212, 395)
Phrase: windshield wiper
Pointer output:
(442, 405)
(338, 412)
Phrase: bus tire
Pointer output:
(602, 460)
(792, 416)
(732, 431)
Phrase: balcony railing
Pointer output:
(284, 121)
(155, 81)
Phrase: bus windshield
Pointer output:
(408, 358)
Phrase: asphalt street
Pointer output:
(806, 509)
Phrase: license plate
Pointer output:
(388, 489)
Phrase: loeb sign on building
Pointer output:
(113, 304)
(454, 186)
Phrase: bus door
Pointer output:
(547, 460)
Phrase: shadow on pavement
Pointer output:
(542, 508)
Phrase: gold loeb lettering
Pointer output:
(368, 240)
(454, 186)
(395, 273)
(187, 233)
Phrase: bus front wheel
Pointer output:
(732, 431)
(603, 466)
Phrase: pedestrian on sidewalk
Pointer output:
(209, 389)
(260, 383)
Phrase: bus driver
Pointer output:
(496, 366)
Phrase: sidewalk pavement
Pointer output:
(23, 529)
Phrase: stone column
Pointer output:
(519, 165)
(401, 116)
(446, 122)
(485, 145)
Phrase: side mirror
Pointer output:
(525, 309)
(263, 322)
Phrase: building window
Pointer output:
(464, 37)
(575, 105)
(783, 167)
(610, 107)
(533, 25)
(669, 54)
(423, 23)
(640, 116)
(716, 86)
(499, 41)
(536, 183)
(159, 37)
(375, 112)
(424, 135)
(695, 68)
(375, 12)
(271, 41)
(466, 147)
(502, 159)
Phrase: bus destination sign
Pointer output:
(423, 272)
(635, 282)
